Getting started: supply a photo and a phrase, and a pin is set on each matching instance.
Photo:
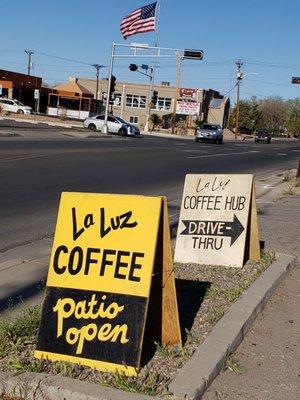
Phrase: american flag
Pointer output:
(139, 21)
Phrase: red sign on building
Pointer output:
(188, 93)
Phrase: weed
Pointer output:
(64, 369)
(233, 294)
(287, 177)
(13, 334)
(213, 292)
(167, 351)
(290, 190)
(19, 365)
(234, 365)
(147, 386)
(216, 313)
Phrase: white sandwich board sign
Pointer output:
(218, 220)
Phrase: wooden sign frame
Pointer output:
(218, 220)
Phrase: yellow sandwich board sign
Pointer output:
(99, 281)
(218, 220)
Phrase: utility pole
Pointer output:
(29, 53)
(179, 64)
(97, 66)
(110, 70)
(239, 77)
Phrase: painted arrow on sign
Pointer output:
(214, 228)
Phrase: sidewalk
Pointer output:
(76, 127)
(267, 363)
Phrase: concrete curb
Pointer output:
(198, 373)
(38, 122)
(36, 386)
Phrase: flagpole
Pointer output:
(157, 22)
(157, 17)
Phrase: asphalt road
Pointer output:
(43, 162)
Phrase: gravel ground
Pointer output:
(204, 294)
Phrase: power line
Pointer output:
(271, 64)
(63, 58)
(254, 94)
(269, 82)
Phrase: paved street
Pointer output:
(44, 161)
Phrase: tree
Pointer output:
(244, 120)
(272, 114)
(293, 116)
(275, 114)
(156, 120)
(255, 116)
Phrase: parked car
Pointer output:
(263, 137)
(210, 133)
(115, 125)
(14, 106)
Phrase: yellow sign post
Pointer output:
(99, 281)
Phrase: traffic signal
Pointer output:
(133, 67)
(113, 84)
(295, 79)
(154, 97)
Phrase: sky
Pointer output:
(67, 36)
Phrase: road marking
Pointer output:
(224, 154)
(264, 201)
(268, 187)
(297, 151)
(33, 156)
(194, 151)
(281, 154)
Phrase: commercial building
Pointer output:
(72, 100)
(15, 85)
(130, 102)
(77, 99)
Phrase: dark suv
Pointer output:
(262, 137)
(210, 133)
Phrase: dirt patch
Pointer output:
(205, 293)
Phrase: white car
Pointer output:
(14, 106)
(115, 125)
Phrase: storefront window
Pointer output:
(164, 104)
(135, 101)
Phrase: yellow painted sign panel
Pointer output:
(99, 280)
